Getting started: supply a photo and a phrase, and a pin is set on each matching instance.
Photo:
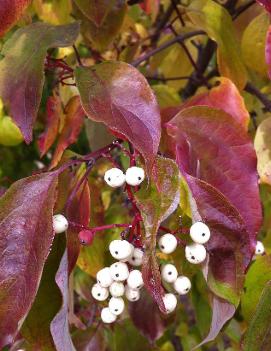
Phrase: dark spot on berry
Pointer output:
(117, 275)
(203, 234)
(162, 246)
(133, 298)
(138, 287)
(133, 258)
(116, 252)
(116, 310)
(186, 289)
(139, 178)
(169, 273)
(193, 257)
(109, 179)
(99, 294)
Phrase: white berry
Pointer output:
(116, 289)
(104, 277)
(132, 294)
(114, 177)
(107, 316)
(195, 253)
(135, 280)
(135, 176)
(119, 271)
(121, 249)
(200, 233)
(99, 293)
(170, 302)
(136, 258)
(167, 243)
(182, 285)
(116, 305)
(259, 250)
(169, 273)
(60, 223)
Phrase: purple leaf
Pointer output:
(152, 326)
(26, 235)
(60, 324)
(21, 69)
(222, 312)
(118, 95)
(212, 146)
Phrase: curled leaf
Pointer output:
(268, 51)
(73, 123)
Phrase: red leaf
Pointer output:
(225, 97)
(60, 324)
(78, 212)
(268, 50)
(266, 4)
(22, 69)
(26, 235)
(152, 326)
(54, 112)
(10, 13)
(116, 94)
(73, 124)
(216, 149)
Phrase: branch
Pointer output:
(242, 9)
(169, 43)
(251, 89)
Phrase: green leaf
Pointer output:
(257, 277)
(258, 334)
(166, 95)
(22, 69)
(262, 144)
(217, 22)
(156, 202)
(36, 328)
(10, 134)
(253, 44)
(100, 29)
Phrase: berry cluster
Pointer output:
(111, 280)
(115, 178)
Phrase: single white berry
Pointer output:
(121, 249)
(119, 271)
(104, 277)
(259, 250)
(114, 177)
(132, 294)
(195, 253)
(116, 289)
(60, 223)
(135, 176)
(169, 273)
(107, 316)
(99, 293)
(136, 258)
(116, 305)
(200, 233)
(182, 285)
(170, 302)
(135, 279)
(167, 243)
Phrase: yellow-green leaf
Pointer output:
(253, 44)
(10, 134)
(217, 22)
